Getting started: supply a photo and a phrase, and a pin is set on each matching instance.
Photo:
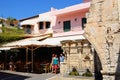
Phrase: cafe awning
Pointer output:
(26, 42)
(55, 41)
(6, 48)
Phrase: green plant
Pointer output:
(87, 73)
(11, 34)
(74, 72)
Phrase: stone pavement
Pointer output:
(44, 76)
(60, 77)
(32, 76)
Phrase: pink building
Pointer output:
(68, 23)
(70, 20)
(62, 22)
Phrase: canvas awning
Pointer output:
(26, 42)
(55, 41)
(6, 48)
(45, 41)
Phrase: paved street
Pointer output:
(11, 75)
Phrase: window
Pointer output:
(28, 29)
(47, 24)
(66, 26)
(41, 25)
(84, 21)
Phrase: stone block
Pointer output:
(73, 50)
(97, 1)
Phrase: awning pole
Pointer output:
(26, 55)
(32, 58)
(5, 60)
(27, 59)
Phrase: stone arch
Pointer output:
(102, 31)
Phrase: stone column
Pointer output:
(66, 50)
(79, 50)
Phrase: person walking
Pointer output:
(61, 58)
(55, 64)
(52, 65)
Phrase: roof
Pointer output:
(29, 18)
(73, 8)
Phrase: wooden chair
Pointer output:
(45, 68)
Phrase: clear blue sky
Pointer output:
(20, 9)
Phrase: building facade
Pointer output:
(67, 22)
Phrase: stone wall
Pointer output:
(103, 32)
(78, 54)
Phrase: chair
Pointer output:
(45, 67)
(1, 66)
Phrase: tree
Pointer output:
(12, 21)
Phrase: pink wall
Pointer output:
(74, 14)
(86, 0)
(75, 18)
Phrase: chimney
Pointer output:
(53, 9)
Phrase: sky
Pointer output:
(20, 9)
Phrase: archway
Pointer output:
(103, 32)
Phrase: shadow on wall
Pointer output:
(117, 74)
(97, 67)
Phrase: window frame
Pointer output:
(41, 25)
(84, 21)
(47, 25)
(67, 25)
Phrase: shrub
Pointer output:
(10, 34)
(87, 73)
(74, 72)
